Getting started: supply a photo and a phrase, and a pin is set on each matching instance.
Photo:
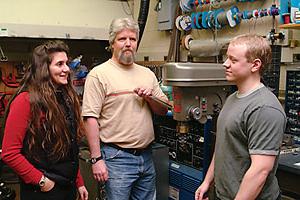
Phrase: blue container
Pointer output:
(284, 9)
(295, 6)
(168, 91)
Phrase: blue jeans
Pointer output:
(130, 177)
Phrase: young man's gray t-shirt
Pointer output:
(253, 124)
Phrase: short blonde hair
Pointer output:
(257, 48)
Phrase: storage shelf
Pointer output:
(290, 26)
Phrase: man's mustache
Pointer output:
(124, 50)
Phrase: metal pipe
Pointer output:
(143, 14)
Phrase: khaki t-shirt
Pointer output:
(124, 118)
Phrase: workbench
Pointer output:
(288, 174)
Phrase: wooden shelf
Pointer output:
(150, 63)
(290, 26)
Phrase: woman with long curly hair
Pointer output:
(42, 128)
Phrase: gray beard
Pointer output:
(126, 60)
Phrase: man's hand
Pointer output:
(143, 92)
(156, 107)
(99, 170)
(201, 192)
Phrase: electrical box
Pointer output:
(292, 103)
(271, 74)
(161, 162)
(166, 13)
(184, 181)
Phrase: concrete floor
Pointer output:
(17, 189)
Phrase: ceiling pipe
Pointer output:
(143, 15)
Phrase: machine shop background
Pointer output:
(183, 42)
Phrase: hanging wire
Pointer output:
(215, 35)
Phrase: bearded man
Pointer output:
(117, 108)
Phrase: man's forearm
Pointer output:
(209, 177)
(255, 177)
(251, 185)
(156, 107)
(92, 135)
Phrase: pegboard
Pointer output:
(11, 75)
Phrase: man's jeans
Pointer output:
(130, 177)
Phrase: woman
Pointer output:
(42, 128)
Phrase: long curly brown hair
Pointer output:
(53, 132)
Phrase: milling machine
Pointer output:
(199, 91)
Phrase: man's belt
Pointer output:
(133, 151)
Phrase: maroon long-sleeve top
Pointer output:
(15, 130)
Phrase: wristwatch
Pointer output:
(93, 160)
(42, 181)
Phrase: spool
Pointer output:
(220, 19)
(185, 42)
(204, 20)
(273, 11)
(193, 17)
(198, 18)
(263, 12)
(177, 23)
(232, 16)
(247, 14)
(210, 19)
(183, 5)
(255, 13)
(186, 5)
(183, 23)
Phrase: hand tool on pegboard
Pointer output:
(3, 58)
(10, 80)
(2, 103)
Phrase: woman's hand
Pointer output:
(83, 193)
(49, 185)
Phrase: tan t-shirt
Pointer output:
(124, 118)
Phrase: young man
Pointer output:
(117, 108)
(250, 129)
